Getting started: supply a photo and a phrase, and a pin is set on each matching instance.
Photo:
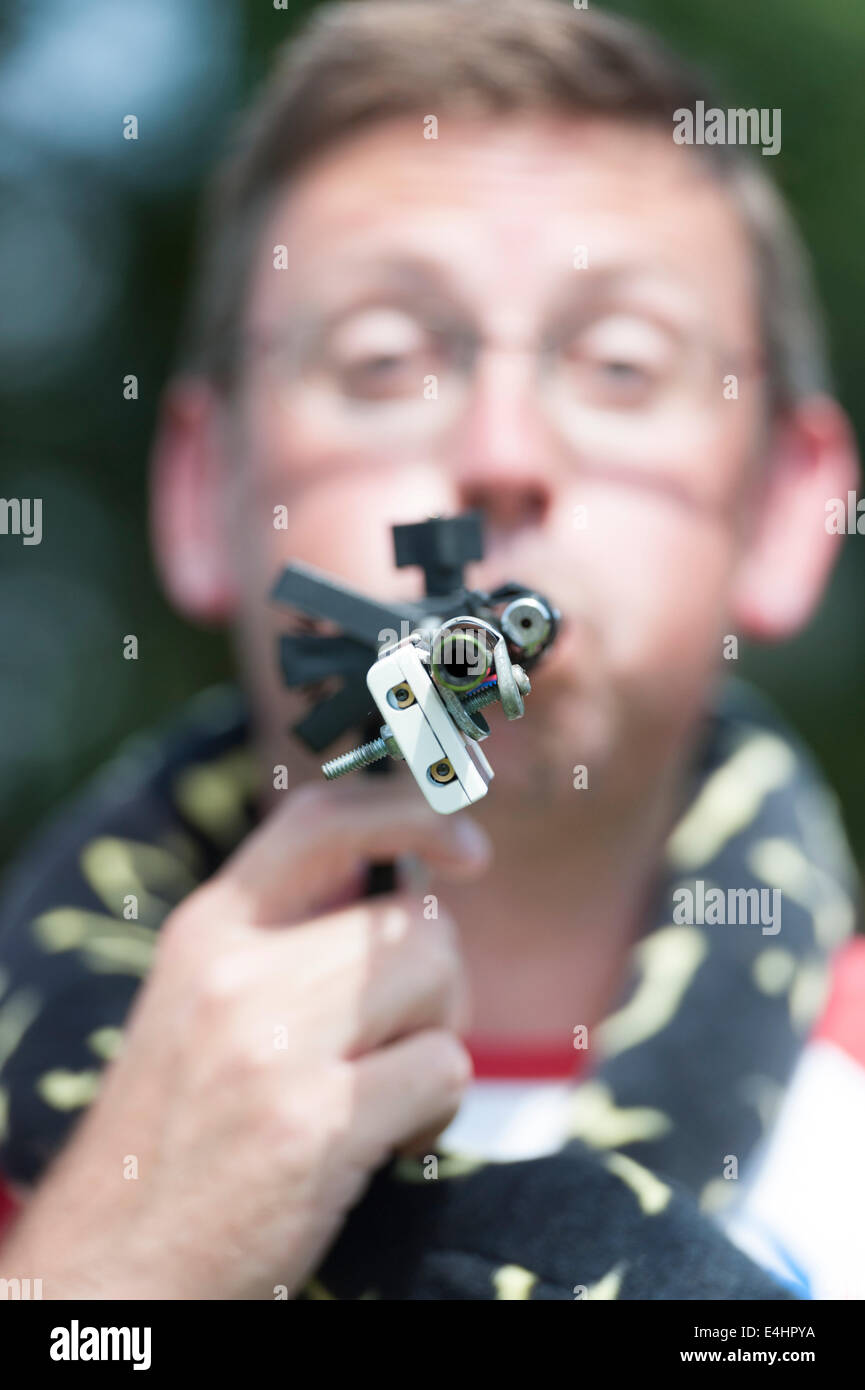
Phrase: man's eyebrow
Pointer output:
(407, 270)
(405, 276)
(422, 273)
(420, 279)
(658, 289)
(362, 281)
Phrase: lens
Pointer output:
(460, 660)
(527, 622)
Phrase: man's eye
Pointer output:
(380, 377)
(620, 362)
(619, 370)
(629, 379)
(614, 382)
(380, 354)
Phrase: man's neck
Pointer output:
(546, 934)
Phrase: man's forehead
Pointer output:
(525, 196)
(483, 153)
(522, 165)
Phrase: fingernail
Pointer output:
(471, 839)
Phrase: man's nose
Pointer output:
(504, 456)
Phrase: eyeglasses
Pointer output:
(386, 374)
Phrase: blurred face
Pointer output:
(539, 317)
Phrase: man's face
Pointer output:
(534, 316)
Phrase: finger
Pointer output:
(347, 984)
(320, 839)
(410, 1088)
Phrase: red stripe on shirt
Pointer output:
(843, 1019)
(544, 1060)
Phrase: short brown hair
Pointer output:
(362, 61)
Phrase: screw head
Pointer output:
(400, 696)
(442, 771)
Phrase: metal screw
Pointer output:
(442, 772)
(371, 752)
(355, 758)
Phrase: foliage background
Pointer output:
(95, 245)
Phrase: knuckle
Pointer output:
(307, 1119)
(178, 944)
(439, 946)
(449, 1061)
(195, 914)
(221, 980)
(244, 1058)
(391, 920)
(290, 1134)
(250, 1059)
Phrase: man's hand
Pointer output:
(280, 1050)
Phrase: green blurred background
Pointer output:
(95, 246)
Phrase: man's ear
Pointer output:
(187, 504)
(790, 554)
